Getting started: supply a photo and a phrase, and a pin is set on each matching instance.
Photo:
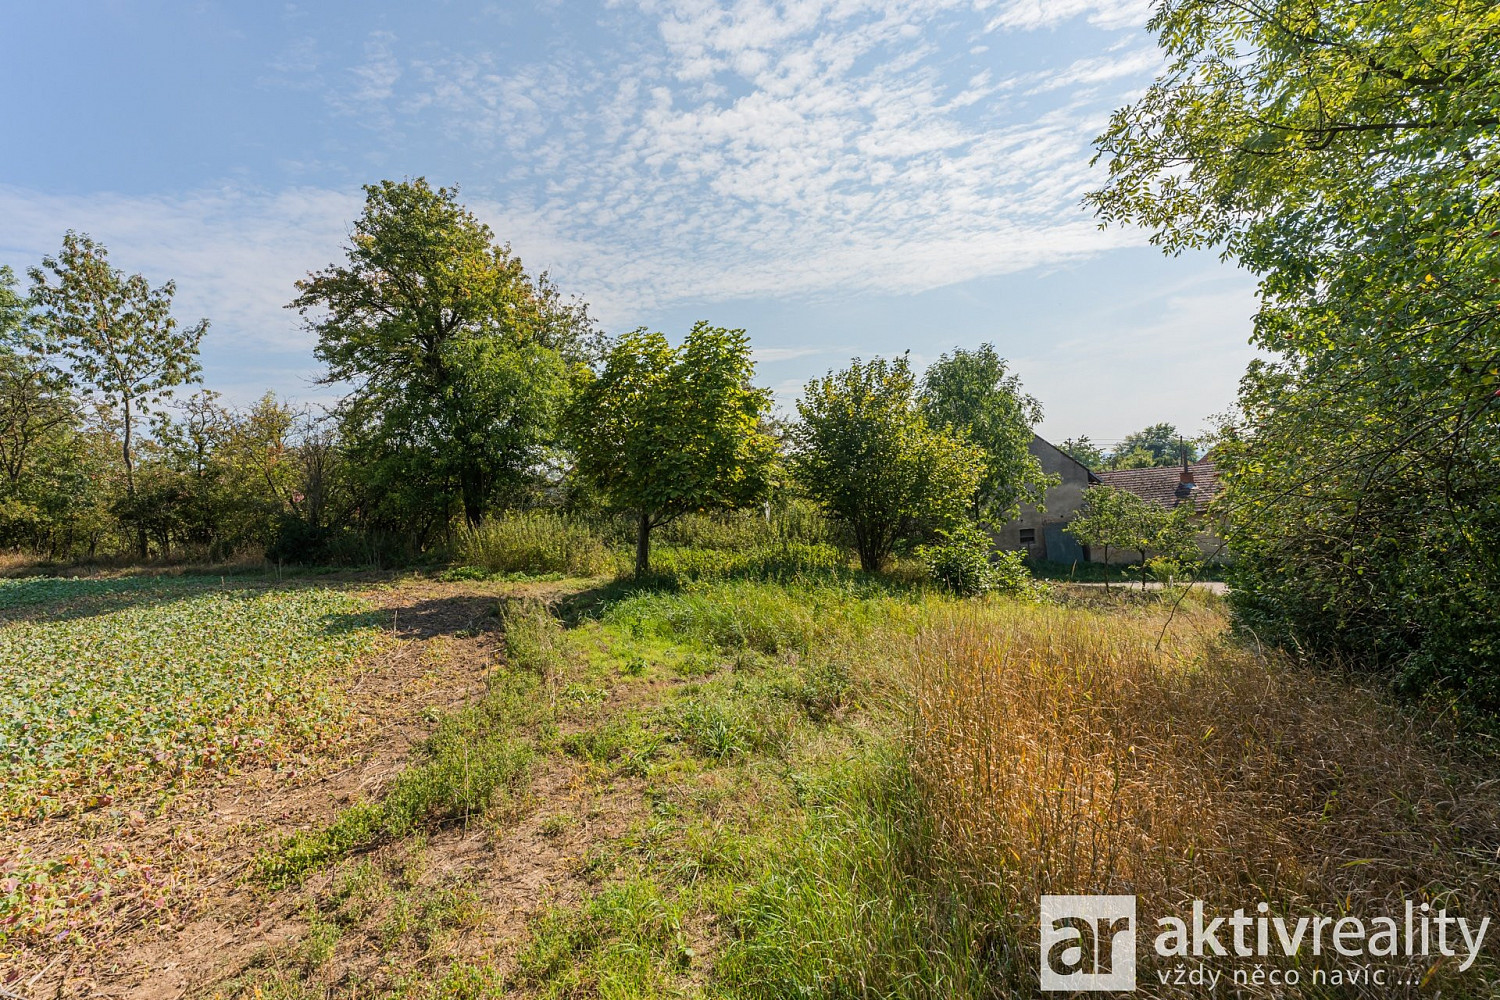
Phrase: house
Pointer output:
(1194, 484)
(1039, 533)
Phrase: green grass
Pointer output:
(111, 686)
(474, 762)
(1092, 572)
(535, 542)
(626, 941)
(747, 810)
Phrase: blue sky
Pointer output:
(840, 178)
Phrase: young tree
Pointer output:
(972, 394)
(457, 356)
(117, 334)
(1106, 520)
(663, 431)
(1344, 151)
(866, 453)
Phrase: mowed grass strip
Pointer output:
(184, 677)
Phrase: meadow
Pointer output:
(762, 774)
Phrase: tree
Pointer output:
(866, 453)
(34, 402)
(457, 356)
(1344, 152)
(117, 334)
(1107, 520)
(1118, 519)
(663, 431)
(1084, 451)
(1160, 442)
(972, 394)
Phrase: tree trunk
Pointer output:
(643, 546)
(1106, 569)
(865, 541)
(140, 527)
(471, 483)
(1143, 569)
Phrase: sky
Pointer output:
(842, 178)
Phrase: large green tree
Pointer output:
(34, 401)
(665, 430)
(117, 337)
(867, 454)
(457, 356)
(1161, 442)
(1345, 151)
(973, 394)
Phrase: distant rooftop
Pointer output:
(1159, 484)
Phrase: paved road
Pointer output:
(1212, 586)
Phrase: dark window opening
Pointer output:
(1028, 536)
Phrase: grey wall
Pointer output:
(1061, 501)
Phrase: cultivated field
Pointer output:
(742, 783)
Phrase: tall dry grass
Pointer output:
(1058, 750)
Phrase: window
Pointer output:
(1028, 536)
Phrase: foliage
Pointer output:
(1085, 452)
(1344, 152)
(1118, 519)
(456, 355)
(1154, 446)
(39, 427)
(1159, 445)
(534, 542)
(118, 337)
(867, 454)
(665, 431)
(113, 686)
(966, 563)
(973, 395)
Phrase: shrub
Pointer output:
(965, 563)
(535, 542)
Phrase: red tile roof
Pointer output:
(1159, 484)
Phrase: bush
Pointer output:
(535, 542)
(965, 563)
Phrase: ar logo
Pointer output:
(1088, 943)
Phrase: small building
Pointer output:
(1042, 535)
(1039, 533)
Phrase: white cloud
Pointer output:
(759, 149)
(1028, 15)
(234, 254)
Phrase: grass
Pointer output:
(535, 542)
(474, 764)
(108, 687)
(1094, 572)
(1061, 751)
(831, 786)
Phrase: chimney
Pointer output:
(1185, 484)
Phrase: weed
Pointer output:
(625, 941)
(535, 542)
(138, 683)
(470, 763)
(621, 742)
